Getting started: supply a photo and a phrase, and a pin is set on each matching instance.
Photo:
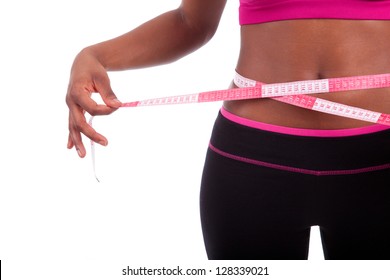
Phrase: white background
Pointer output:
(56, 221)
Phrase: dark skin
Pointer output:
(312, 49)
(272, 52)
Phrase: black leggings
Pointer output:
(262, 191)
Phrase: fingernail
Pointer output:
(116, 101)
(79, 152)
(103, 143)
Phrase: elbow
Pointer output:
(201, 31)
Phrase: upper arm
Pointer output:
(202, 15)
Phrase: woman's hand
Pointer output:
(88, 75)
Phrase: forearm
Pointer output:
(161, 40)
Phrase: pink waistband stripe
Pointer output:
(297, 169)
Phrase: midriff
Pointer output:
(294, 50)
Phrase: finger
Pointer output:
(78, 143)
(70, 144)
(75, 139)
(79, 125)
(84, 100)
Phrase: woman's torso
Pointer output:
(303, 49)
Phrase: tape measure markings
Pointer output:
(249, 89)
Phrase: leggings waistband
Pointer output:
(302, 131)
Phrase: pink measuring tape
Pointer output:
(294, 93)
(291, 92)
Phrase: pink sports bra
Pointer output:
(260, 11)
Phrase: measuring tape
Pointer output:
(294, 93)
(289, 93)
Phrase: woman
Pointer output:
(272, 169)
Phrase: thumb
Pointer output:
(107, 94)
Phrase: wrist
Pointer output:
(93, 53)
(88, 55)
(86, 66)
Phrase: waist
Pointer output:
(274, 112)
